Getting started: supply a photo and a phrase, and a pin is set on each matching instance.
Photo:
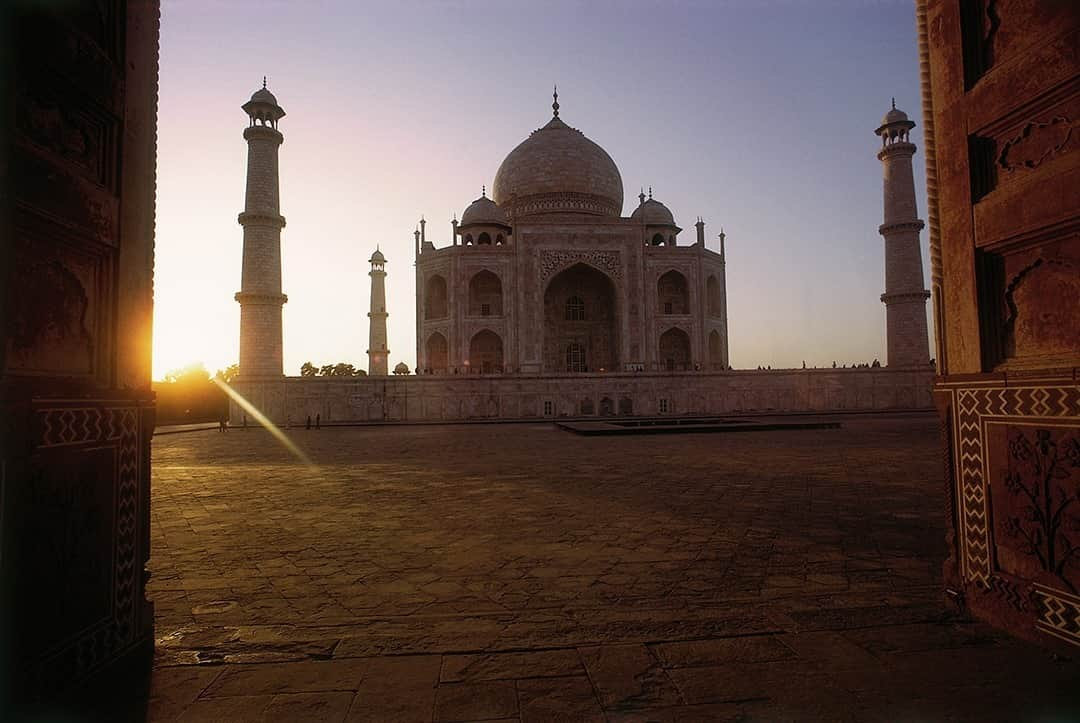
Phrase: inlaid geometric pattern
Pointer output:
(94, 425)
(78, 425)
(974, 407)
(1059, 613)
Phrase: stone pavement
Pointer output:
(520, 572)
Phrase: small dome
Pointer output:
(894, 116)
(483, 211)
(377, 257)
(401, 368)
(656, 214)
(262, 95)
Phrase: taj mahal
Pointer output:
(547, 276)
(548, 302)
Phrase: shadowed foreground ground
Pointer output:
(519, 572)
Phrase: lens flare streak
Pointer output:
(262, 419)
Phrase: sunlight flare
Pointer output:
(262, 419)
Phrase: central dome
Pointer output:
(558, 170)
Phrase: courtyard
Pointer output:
(521, 572)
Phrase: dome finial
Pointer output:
(894, 103)
(483, 191)
(264, 82)
(650, 193)
(555, 105)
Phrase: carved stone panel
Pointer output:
(553, 261)
(81, 510)
(57, 305)
(1034, 486)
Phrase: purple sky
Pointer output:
(757, 115)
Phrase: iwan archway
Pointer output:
(580, 331)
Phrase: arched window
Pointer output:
(607, 407)
(435, 300)
(486, 353)
(437, 349)
(716, 350)
(499, 240)
(587, 408)
(712, 296)
(673, 293)
(485, 294)
(575, 309)
(484, 239)
(658, 240)
(468, 239)
(674, 350)
(575, 358)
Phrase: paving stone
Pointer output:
(234, 709)
(496, 666)
(174, 688)
(397, 688)
(829, 651)
(748, 649)
(308, 707)
(298, 677)
(475, 701)
(715, 712)
(558, 699)
(917, 637)
(628, 676)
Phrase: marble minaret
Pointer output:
(905, 292)
(377, 351)
(260, 294)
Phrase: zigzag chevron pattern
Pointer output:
(1059, 613)
(127, 504)
(78, 425)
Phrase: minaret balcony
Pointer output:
(255, 298)
(888, 228)
(905, 296)
(900, 148)
(259, 218)
(263, 133)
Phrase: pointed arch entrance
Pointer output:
(674, 350)
(437, 352)
(486, 353)
(580, 329)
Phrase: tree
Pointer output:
(193, 373)
(228, 374)
(341, 369)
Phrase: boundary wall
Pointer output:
(339, 400)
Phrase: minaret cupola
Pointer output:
(263, 108)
